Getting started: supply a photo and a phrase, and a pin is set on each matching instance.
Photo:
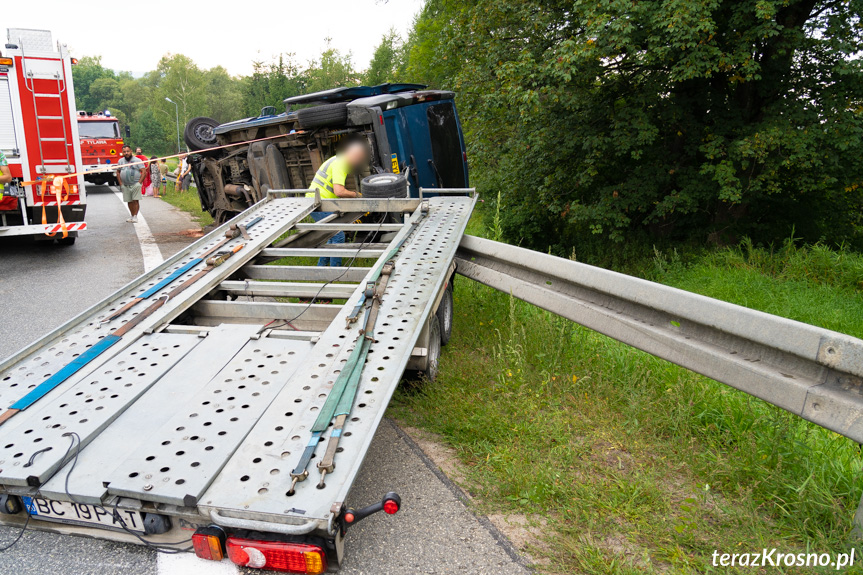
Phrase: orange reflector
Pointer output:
(207, 547)
(6, 62)
(277, 556)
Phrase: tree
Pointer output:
(332, 70)
(271, 83)
(224, 95)
(149, 134)
(387, 60)
(88, 70)
(677, 119)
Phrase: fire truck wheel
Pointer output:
(199, 133)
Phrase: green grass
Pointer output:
(640, 466)
(188, 202)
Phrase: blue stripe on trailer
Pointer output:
(153, 290)
(65, 372)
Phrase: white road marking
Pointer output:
(189, 564)
(149, 247)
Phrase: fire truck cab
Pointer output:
(39, 137)
(101, 145)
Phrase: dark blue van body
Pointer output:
(408, 128)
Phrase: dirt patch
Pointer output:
(612, 456)
(444, 457)
(191, 233)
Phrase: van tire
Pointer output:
(384, 186)
(199, 133)
(323, 115)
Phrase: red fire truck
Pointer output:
(39, 138)
(101, 144)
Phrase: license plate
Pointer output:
(81, 513)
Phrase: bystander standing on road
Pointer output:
(163, 175)
(145, 185)
(184, 180)
(155, 177)
(130, 174)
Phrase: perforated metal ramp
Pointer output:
(36, 446)
(204, 409)
(177, 461)
(256, 478)
(37, 362)
(151, 411)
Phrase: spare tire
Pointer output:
(323, 115)
(384, 186)
(199, 134)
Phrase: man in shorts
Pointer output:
(130, 174)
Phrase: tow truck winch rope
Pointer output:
(112, 338)
(343, 392)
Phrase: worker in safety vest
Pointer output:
(329, 181)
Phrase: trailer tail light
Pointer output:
(208, 543)
(277, 556)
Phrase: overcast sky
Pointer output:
(134, 35)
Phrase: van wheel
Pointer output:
(445, 314)
(384, 186)
(199, 134)
(323, 115)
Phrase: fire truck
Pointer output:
(39, 137)
(101, 145)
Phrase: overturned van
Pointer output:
(411, 131)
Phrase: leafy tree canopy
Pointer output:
(699, 119)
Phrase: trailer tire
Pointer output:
(70, 241)
(384, 186)
(445, 315)
(199, 133)
(416, 376)
(323, 116)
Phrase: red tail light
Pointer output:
(277, 556)
(209, 543)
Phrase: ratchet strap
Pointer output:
(232, 233)
(109, 340)
(343, 393)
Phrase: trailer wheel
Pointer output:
(445, 315)
(69, 241)
(384, 186)
(323, 115)
(199, 134)
(434, 348)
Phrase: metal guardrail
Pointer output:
(812, 372)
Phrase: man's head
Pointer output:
(127, 152)
(138, 151)
(356, 153)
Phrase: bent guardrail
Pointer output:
(812, 372)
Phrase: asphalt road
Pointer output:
(43, 285)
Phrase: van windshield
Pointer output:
(98, 130)
(446, 145)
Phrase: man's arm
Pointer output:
(5, 175)
(342, 192)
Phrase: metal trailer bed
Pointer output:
(200, 412)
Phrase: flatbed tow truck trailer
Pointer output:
(183, 421)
